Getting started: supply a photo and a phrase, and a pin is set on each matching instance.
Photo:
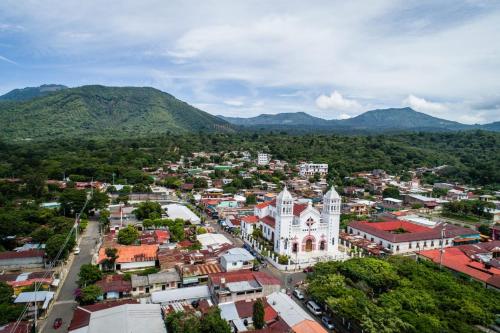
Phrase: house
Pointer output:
(293, 315)
(142, 285)
(480, 262)
(114, 286)
(155, 237)
(131, 257)
(240, 314)
(400, 237)
(236, 259)
(117, 317)
(19, 281)
(194, 274)
(392, 203)
(41, 298)
(249, 223)
(177, 295)
(241, 285)
(176, 211)
(12, 260)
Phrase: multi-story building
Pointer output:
(263, 159)
(310, 169)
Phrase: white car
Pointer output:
(76, 250)
(297, 293)
(314, 308)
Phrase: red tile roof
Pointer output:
(263, 204)
(270, 221)
(21, 254)
(415, 232)
(22, 327)
(239, 276)
(456, 258)
(132, 253)
(297, 209)
(251, 219)
(114, 283)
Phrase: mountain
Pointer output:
(285, 119)
(28, 93)
(375, 121)
(103, 111)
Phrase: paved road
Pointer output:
(65, 302)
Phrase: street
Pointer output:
(65, 301)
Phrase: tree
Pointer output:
(391, 192)
(56, 243)
(181, 322)
(89, 274)
(35, 184)
(90, 293)
(72, 201)
(258, 314)
(484, 229)
(213, 323)
(148, 210)
(111, 256)
(128, 235)
(251, 199)
(42, 234)
(99, 200)
(6, 293)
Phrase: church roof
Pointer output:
(297, 209)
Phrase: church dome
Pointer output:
(331, 194)
(284, 195)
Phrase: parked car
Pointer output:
(308, 270)
(76, 250)
(57, 323)
(297, 293)
(328, 322)
(314, 308)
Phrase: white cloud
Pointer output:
(337, 102)
(234, 102)
(423, 105)
(8, 60)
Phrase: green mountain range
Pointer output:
(104, 112)
(375, 121)
(28, 93)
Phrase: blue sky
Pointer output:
(333, 59)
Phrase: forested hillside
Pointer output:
(100, 111)
(472, 157)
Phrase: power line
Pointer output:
(51, 265)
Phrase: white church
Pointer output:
(298, 230)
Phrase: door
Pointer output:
(309, 245)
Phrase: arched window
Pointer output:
(295, 247)
(322, 245)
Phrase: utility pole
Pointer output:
(442, 247)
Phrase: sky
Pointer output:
(331, 59)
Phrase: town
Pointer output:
(237, 241)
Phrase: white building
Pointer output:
(310, 169)
(176, 211)
(236, 259)
(300, 230)
(263, 159)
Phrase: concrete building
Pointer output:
(310, 169)
(176, 211)
(12, 260)
(143, 285)
(263, 159)
(236, 259)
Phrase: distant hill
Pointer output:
(103, 111)
(375, 121)
(28, 93)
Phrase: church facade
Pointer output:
(300, 230)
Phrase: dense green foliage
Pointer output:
(148, 210)
(472, 157)
(28, 93)
(175, 227)
(89, 294)
(128, 235)
(89, 274)
(180, 322)
(465, 208)
(258, 314)
(102, 112)
(401, 295)
(9, 311)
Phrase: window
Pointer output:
(371, 239)
(410, 245)
(432, 243)
(333, 241)
(295, 247)
(425, 244)
(322, 245)
(397, 248)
